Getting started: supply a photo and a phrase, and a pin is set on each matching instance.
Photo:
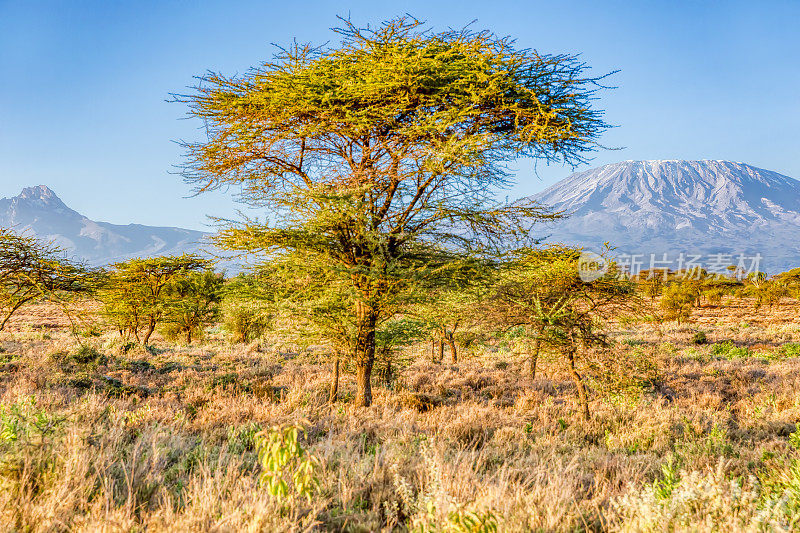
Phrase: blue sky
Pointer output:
(83, 84)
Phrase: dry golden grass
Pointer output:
(163, 440)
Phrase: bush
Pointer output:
(790, 349)
(27, 434)
(244, 320)
(700, 338)
(728, 350)
(679, 300)
(287, 467)
(86, 355)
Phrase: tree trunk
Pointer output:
(364, 352)
(189, 336)
(151, 326)
(453, 349)
(441, 351)
(534, 357)
(388, 377)
(334, 393)
(433, 350)
(534, 360)
(576, 378)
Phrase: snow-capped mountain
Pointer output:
(38, 211)
(703, 208)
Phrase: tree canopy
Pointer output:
(136, 293)
(380, 152)
(31, 269)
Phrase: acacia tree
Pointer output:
(541, 289)
(31, 269)
(393, 138)
(192, 302)
(135, 294)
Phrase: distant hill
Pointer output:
(38, 211)
(690, 207)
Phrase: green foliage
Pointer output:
(390, 338)
(27, 435)
(136, 294)
(378, 156)
(781, 483)
(31, 269)
(542, 289)
(464, 521)
(699, 338)
(790, 349)
(23, 422)
(728, 350)
(670, 477)
(247, 310)
(287, 467)
(243, 438)
(794, 438)
(86, 355)
(192, 303)
(451, 307)
(679, 299)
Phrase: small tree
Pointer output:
(315, 306)
(542, 289)
(790, 281)
(246, 313)
(31, 269)
(135, 294)
(390, 339)
(450, 306)
(678, 301)
(192, 303)
(394, 139)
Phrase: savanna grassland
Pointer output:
(99, 435)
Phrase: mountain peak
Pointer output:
(41, 194)
(680, 206)
(38, 190)
(40, 212)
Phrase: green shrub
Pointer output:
(87, 355)
(790, 349)
(27, 438)
(721, 349)
(287, 467)
(728, 350)
(700, 338)
(243, 320)
(243, 438)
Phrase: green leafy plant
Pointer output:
(287, 466)
(473, 521)
(794, 438)
(790, 349)
(670, 478)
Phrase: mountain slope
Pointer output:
(690, 207)
(37, 210)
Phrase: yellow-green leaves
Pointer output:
(31, 269)
(288, 470)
